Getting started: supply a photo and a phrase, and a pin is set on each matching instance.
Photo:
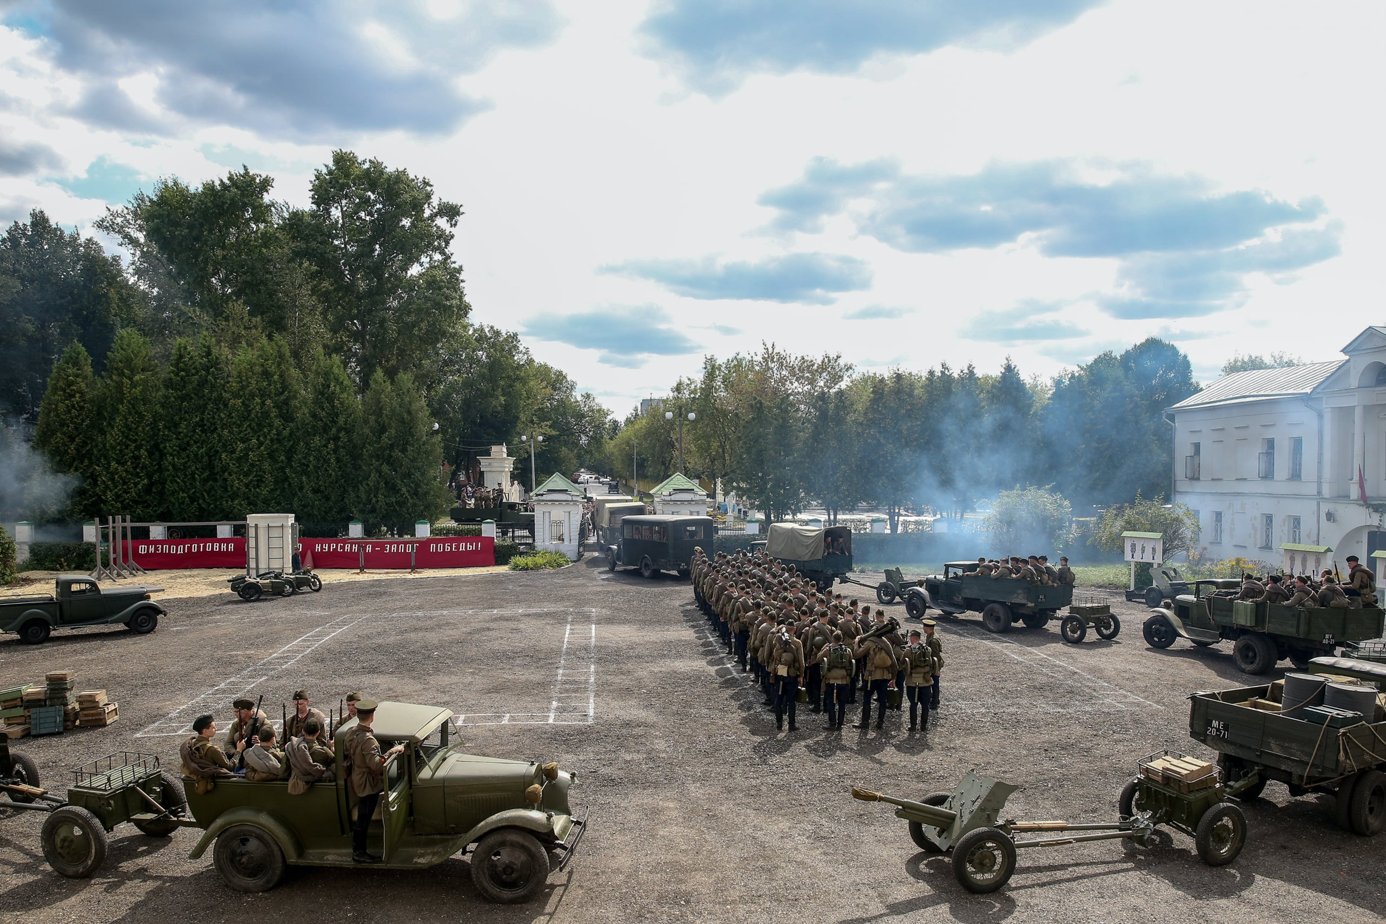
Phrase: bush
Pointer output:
(539, 561)
(506, 550)
(7, 553)
(446, 528)
(61, 556)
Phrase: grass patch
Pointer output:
(539, 561)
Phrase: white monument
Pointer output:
(495, 472)
(557, 516)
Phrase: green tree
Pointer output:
(1176, 523)
(330, 456)
(380, 246)
(192, 435)
(8, 551)
(1030, 518)
(1004, 458)
(486, 385)
(836, 470)
(892, 410)
(1253, 361)
(401, 457)
(260, 427)
(69, 427)
(55, 288)
(128, 476)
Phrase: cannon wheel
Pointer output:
(1367, 808)
(996, 617)
(509, 866)
(1073, 629)
(1153, 597)
(917, 829)
(169, 794)
(1129, 803)
(1221, 834)
(26, 772)
(915, 606)
(1159, 632)
(885, 592)
(984, 860)
(1108, 627)
(74, 843)
(1254, 654)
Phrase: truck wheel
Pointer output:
(1159, 632)
(917, 829)
(26, 772)
(1073, 629)
(143, 622)
(984, 860)
(1035, 620)
(610, 561)
(168, 792)
(915, 606)
(34, 632)
(996, 617)
(1153, 597)
(885, 592)
(1221, 834)
(248, 859)
(1108, 627)
(1367, 810)
(1342, 802)
(1299, 657)
(509, 866)
(74, 843)
(1254, 654)
(647, 568)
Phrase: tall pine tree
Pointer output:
(400, 457)
(191, 421)
(68, 429)
(129, 470)
(329, 461)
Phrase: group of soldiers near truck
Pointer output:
(1358, 590)
(795, 640)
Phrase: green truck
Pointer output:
(821, 554)
(1258, 744)
(78, 600)
(1262, 634)
(1001, 601)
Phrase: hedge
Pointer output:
(60, 556)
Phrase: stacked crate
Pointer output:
(53, 707)
(96, 712)
(13, 719)
(1180, 773)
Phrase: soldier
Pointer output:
(1275, 591)
(837, 666)
(1065, 572)
(293, 725)
(1361, 582)
(305, 764)
(367, 780)
(203, 761)
(878, 654)
(247, 720)
(919, 677)
(936, 645)
(1252, 589)
(265, 763)
(1330, 594)
(1302, 595)
(1051, 573)
(788, 661)
(352, 699)
(816, 637)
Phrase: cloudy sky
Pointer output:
(905, 182)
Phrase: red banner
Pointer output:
(380, 554)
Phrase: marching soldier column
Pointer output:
(799, 644)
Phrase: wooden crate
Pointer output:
(46, 720)
(91, 698)
(99, 717)
(58, 676)
(1265, 705)
(1182, 774)
(15, 732)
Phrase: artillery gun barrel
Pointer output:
(932, 815)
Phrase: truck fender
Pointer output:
(126, 614)
(527, 819)
(245, 815)
(1173, 620)
(29, 616)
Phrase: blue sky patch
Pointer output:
(111, 182)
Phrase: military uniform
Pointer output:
(919, 677)
(265, 765)
(936, 645)
(1302, 596)
(240, 730)
(1330, 594)
(1363, 582)
(838, 667)
(881, 666)
(1275, 593)
(293, 725)
(816, 637)
(305, 765)
(1066, 575)
(366, 780)
(788, 661)
(1252, 589)
(204, 762)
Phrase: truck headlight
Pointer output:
(550, 771)
(534, 794)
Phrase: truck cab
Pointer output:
(78, 600)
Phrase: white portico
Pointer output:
(1288, 466)
(679, 496)
(557, 515)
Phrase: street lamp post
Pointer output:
(533, 443)
(690, 417)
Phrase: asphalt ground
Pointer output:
(699, 810)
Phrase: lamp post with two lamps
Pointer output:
(690, 417)
(533, 443)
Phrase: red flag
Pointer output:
(1361, 485)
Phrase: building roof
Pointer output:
(677, 483)
(1261, 384)
(556, 483)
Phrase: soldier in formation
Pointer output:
(796, 641)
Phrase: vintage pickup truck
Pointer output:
(78, 600)
(438, 801)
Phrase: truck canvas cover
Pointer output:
(795, 543)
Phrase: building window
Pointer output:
(1267, 530)
(1265, 459)
(1217, 526)
(1296, 458)
(1192, 466)
(1292, 530)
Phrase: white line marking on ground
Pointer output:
(574, 701)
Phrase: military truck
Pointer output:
(606, 519)
(437, 801)
(1262, 634)
(1001, 601)
(655, 543)
(822, 554)
(77, 600)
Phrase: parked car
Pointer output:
(78, 600)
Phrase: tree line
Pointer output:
(784, 431)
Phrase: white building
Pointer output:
(1288, 466)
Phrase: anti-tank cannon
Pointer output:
(1170, 789)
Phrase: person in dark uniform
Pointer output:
(367, 780)
(203, 761)
(1361, 582)
(815, 637)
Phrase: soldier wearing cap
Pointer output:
(203, 761)
(247, 718)
(293, 725)
(1361, 582)
(936, 645)
(352, 699)
(367, 779)
(1275, 591)
(918, 660)
(1064, 572)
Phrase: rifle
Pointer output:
(284, 723)
(1336, 576)
(250, 732)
